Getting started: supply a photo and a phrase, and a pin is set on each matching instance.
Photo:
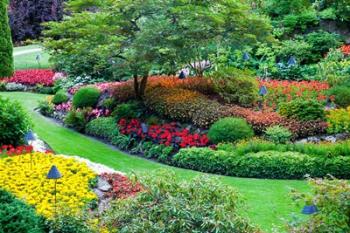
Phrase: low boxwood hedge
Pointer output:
(264, 164)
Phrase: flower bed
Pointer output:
(167, 134)
(32, 77)
(25, 177)
(281, 91)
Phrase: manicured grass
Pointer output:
(268, 201)
(28, 61)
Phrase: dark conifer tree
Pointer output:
(6, 47)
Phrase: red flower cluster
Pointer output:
(11, 150)
(281, 91)
(122, 187)
(345, 49)
(166, 134)
(33, 77)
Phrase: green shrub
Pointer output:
(229, 129)
(46, 108)
(103, 127)
(278, 134)
(76, 119)
(66, 223)
(341, 94)
(264, 164)
(60, 97)
(44, 90)
(127, 111)
(86, 97)
(193, 206)
(304, 110)
(236, 86)
(14, 122)
(17, 217)
(332, 198)
(121, 141)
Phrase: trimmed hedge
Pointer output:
(86, 97)
(264, 164)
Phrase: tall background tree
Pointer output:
(26, 17)
(6, 47)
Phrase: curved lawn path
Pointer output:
(267, 200)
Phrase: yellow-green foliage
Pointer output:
(339, 120)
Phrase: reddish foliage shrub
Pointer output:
(123, 92)
(306, 128)
(122, 186)
(165, 134)
(259, 120)
(33, 77)
(200, 84)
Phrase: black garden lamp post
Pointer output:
(28, 138)
(309, 210)
(292, 61)
(182, 75)
(38, 58)
(54, 174)
(246, 56)
(262, 93)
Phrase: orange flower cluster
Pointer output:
(345, 49)
(282, 91)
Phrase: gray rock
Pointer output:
(99, 193)
(330, 139)
(103, 185)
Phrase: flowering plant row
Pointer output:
(11, 150)
(166, 134)
(282, 91)
(32, 77)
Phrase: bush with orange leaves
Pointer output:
(183, 105)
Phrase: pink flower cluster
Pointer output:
(64, 107)
(103, 87)
(166, 134)
(96, 113)
(32, 77)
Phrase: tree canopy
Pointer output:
(133, 38)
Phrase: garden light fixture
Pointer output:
(292, 61)
(246, 56)
(54, 174)
(309, 210)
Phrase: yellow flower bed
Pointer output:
(25, 177)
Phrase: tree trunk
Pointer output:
(140, 87)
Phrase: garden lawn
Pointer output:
(25, 57)
(268, 201)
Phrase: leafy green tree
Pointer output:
(6, 47)
(144, 37)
